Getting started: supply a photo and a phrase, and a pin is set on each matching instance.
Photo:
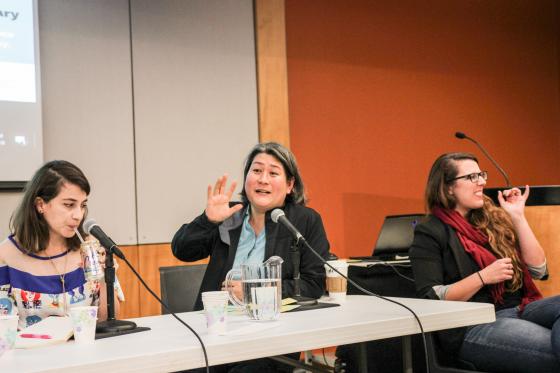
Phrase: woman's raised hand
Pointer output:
(513, 201)
(499, 271)
(217, 204)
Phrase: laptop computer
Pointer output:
(395, 238)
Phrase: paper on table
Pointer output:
(288, 307)
(58, 328)
(287, 304)
(287, 301)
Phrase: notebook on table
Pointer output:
(49, 331)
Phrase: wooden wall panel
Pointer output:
(545, 221)
(152, 257)
(129, 283)
(272, 74)
(146, 259)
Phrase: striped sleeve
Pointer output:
(6, 301)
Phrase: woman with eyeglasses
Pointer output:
(469, 249)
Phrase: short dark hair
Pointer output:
(288, 161)
(444, 169)
(30, 227)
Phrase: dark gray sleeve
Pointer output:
(427, 261)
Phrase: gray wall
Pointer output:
(152, 113)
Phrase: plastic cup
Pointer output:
(8, 332)
(84, 320)
(336, 284)
(215, 308)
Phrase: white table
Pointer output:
(169, 346)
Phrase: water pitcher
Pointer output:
(262, 288)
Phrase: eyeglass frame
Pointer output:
(475, 175)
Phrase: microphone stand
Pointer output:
(296, 258)
(461, 135)
(111, 325)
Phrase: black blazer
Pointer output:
(202, 238)
(438, 258)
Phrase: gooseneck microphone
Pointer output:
(112, 326)
(462, 135)
(91, 227)
(278, 216)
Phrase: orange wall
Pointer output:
(378, 88)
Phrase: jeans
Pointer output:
(526, 342)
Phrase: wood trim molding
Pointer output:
(272, 71)
(131, 286)
(544, 222)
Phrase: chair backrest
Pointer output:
(180, 286)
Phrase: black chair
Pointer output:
(180, 286)
(435, 359)
(395, 280)
(383, 356)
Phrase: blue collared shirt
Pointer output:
(251, 247)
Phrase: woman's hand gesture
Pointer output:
(499, 271)
(513, 201)
(217, 204)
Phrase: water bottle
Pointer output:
(90, 255)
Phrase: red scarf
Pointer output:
(473, 241)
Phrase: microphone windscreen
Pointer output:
(88, 224)
(276, 214)
(460, 135)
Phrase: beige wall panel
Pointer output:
(87, 103)
(195, 105)
(8, 203)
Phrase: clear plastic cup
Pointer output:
(215, 308)
(84, 321)
(8, 332)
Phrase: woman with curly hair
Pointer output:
(469, 249)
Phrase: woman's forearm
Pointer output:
(531, 250)
(464, 289)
